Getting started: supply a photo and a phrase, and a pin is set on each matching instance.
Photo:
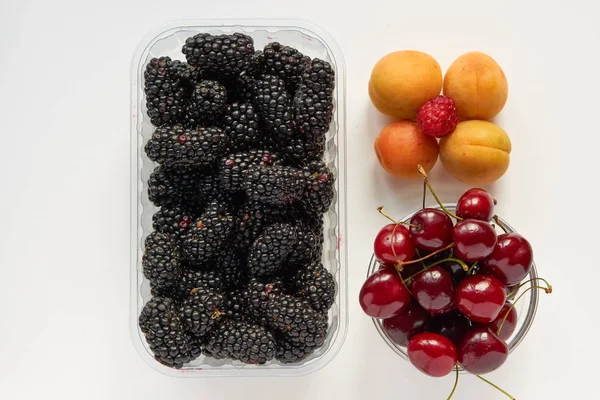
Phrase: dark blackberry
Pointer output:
(313, 101)
(165, 91)
(160, 323)
(274, 105)
(178, 146)
(307, 247)
(207, 104)
(207, 233)
(315, 284)
(231, 266)
(285, 62)
(167, 186)
(162, 258)
(219, 55)
(297, 320)
(300, 149)
(258, 295)
(243, 341)
(232, 167)
(318, 193)
(202, 311)
(173, 219)
(190, 76)
(289, 352)
(273, 184)
(191, 279)
(251, 218)
(236, 306)
(241, 125)
(270, 250)
(209, 186)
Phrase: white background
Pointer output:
(64, 163)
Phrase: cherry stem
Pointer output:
(470, 271)
(500, 224)
(451, 245)
(380, 209)
(437, 199)
(495, 387)
(424, 193)
(455, 383)
(461, 262)
(547, 290)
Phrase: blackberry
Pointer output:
(165, 91)
(297, 320)
(313, 101)
(241, 125)
(202, 311)
(233, 166)
(273, 184)
(251, 218)
(258, 295)
(319, 186)
(207, 233)
(167, 186)
(285, 62)
(289, 352)
(274, 105)
(242, 341)
(219, 55)
(191, 279)
(316, 284)
(160, 323)
(209, 187)
(178, 146)
(189, 76)
(174, 219)
(270, 250)
(236, 306)
(207, 104)
(161, 261)
(307, 247)
(301, 148)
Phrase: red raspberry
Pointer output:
(437, 117)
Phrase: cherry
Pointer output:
(452, 325)
(480, 298)
(512, 291)
(481, 351)
(392, 244)
(402, 327)
(436, 257)
(409, 270)
(476, 204)
(510, 260)
(456, 271)
(432, 354)
(434, 291)
(430, 229)
(383, 294)
(475, 240)
(509, 325)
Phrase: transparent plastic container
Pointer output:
(526, 307)
(316, 43)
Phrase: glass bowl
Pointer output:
(312, 41)
(526, 307)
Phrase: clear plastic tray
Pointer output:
(167, 41)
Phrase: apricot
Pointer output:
(477, 85)
(402, 81)
(476, 153)
(401, 147)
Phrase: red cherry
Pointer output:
(511, 259)
(434, 290)
(392, 244)
(452, 325)
(432, 354)
(509, 326)
(383, 294)
(410, 270)
(456, 270)
(402, 327)
(480, 298)
(475, 240)
(476, 204)
(481, 351)
(431, 229)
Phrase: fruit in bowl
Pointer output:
(455, 300)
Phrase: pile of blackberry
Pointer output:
(234, 258)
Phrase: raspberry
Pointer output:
(437, 117)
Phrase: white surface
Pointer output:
(64, 249)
